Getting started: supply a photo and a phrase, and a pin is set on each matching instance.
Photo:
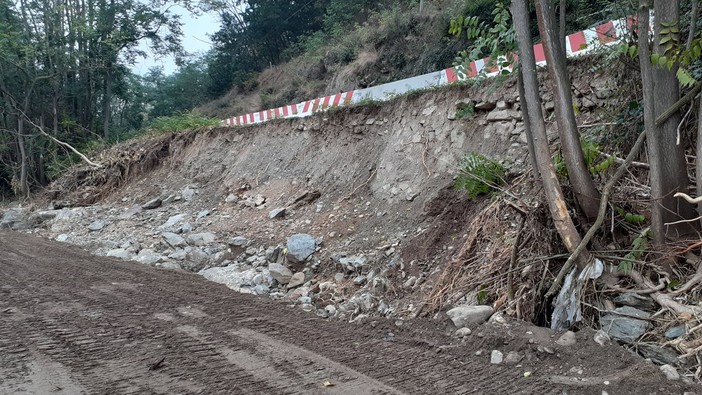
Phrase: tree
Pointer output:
(583, 185)
(545, 168)
(665, 154)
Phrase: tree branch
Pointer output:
(606, 192)
(678, 104)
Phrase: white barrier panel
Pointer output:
(576, 44)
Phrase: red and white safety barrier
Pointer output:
(577, 44)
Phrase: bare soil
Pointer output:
(74, 323)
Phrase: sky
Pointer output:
(196, 31)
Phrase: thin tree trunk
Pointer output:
(23, 184)
(107, 103)
(525, 119)
(698, 161)
(693, 24)
(586, 193)
(554, 195)
(667, 158)
(562, 16)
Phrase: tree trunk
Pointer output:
(525, 119)
(586, 193)
(23, 183)
(698, 162)
(562, 32)
(667, 158)
(554, 195)
(107, 102)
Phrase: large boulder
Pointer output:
(300, 247)
(469, 316)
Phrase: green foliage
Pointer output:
(479, 174)
(593, 159)
(465, 110)
(631, 218)
(638, 247)
(181, 123)
(487, 39)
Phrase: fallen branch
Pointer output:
(513, 259)
(696, 279)
(663, 299)
(59, 142)
(689, 199)
(604, 201)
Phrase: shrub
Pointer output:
(479, 174)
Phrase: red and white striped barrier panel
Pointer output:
(577, 44)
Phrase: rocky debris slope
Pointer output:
(326, 211)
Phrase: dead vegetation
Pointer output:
(85, 185)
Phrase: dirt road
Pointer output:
(74, 323)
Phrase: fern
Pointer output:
(479, 174)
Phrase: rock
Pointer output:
(300, 247)
(203, 214)
(277, 213)
(622, 326)
(359, 280)
(63, 237)
(657, 354)
(496, 357)
(195, 259)
(188, 194)
(280, 273)
(567, 339)
(339, 277)
(296, 280)
(462, 332)
(485, 106)
(469, 315)
(675, 332)
(353, 263)
(231, 198)
(238, 242)
(201, 239)
(185, 228)
(261, 289)
(97, 225)
(259, 200)
(41, 216)
(513, 358)
(635, 300)
(173, 239)
(331, 310)
(670, 372)
(178, 255)
(15, 219)
(148, 257)
(152, 204)
(601, 338)
(120, 253)
(172, 221)
(504, 115)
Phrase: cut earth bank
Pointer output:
(350, 214)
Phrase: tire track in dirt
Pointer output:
(94, 325)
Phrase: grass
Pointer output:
(181, 123)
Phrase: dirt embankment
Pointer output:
(372, 185)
